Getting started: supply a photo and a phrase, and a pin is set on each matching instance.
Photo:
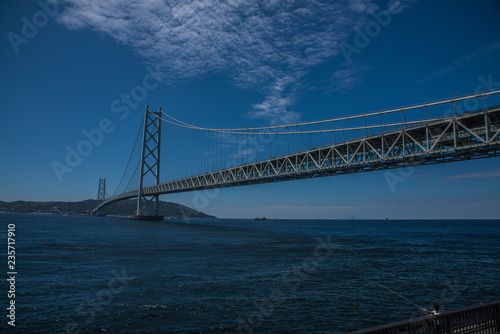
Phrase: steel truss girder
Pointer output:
(468, 136)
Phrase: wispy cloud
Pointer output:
(401, 5)
(278, 103)
(348, 77)
(462, 62)
(260, 45)
(468, 176)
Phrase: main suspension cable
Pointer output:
(177, 122)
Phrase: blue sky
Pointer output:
(68, 67)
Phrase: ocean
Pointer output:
(80, 274)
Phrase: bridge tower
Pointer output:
(101, 194)
(148, 206)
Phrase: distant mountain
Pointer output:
(122, 208)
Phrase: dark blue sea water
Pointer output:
(94, 275)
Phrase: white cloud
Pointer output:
(263, 45)
(469, 176)
(361, 6)
(462, 61)
(276, 106)
(348, 77)
(400, 5)
(479, 175)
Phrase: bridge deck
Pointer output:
(468, 136)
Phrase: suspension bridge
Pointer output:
(198, 158)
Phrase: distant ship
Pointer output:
(264, 218)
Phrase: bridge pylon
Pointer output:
(101, 194)
(148, 206)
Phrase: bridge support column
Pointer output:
(148, 206)
(101, 195)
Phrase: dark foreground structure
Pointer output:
(481, 319)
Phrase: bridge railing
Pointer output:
(481, 319)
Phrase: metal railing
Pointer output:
(481, 319)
